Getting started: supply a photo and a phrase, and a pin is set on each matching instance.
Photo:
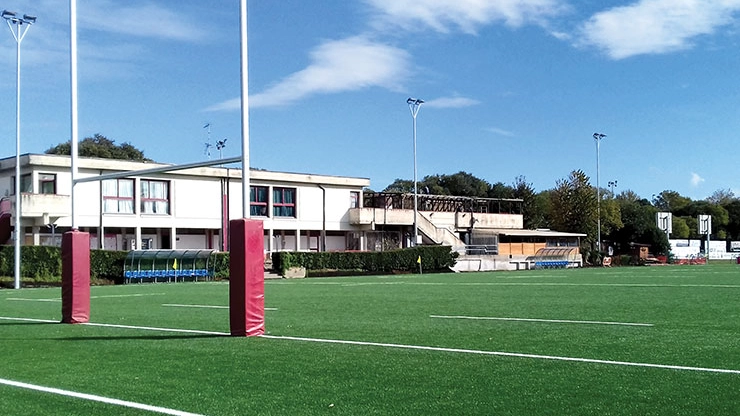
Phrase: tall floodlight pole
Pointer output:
(414, 104)
(18, 27)
(597, 138)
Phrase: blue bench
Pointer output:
(171, 274)
(551, 264)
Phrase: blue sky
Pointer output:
(512, 87)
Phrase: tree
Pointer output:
(465, 184)
(401, 186)
(101, 147)
(671, 201)
(722, 197)
(573, 203)
(733, 214)
(501, 191)
(533, 216)
(680, 228)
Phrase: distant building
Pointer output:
(190, 209)
(181, 209)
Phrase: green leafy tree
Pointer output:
(533, 213)
(680, 228)
(465, 184)
(733, 217)
(671, 201)
(573, 206)
(100, 146)
(722, 197)
(401, 186)
(502, 191)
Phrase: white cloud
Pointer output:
(500, 132)
(696, 180)
(140, 19)
(655, 26)
(464, 15)
(451, 102)
(343, 65)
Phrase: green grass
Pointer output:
(694, 310)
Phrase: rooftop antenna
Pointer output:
(208, 142)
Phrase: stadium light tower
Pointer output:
(414, 104)
(612, 185)
(18, 27)
(598, 137)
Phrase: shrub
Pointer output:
(433, 258)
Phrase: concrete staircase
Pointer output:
(439, 235)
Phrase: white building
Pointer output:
(175, 210)
(191, 208)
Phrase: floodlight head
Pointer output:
(598, 136)
(414, 101)
(7, 14)
(29, 19)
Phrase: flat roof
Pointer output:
(116, 165)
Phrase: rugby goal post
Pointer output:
(246, 280)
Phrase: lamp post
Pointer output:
(414, 104)
(18, 27)
(598, 137)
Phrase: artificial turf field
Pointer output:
(619, 341)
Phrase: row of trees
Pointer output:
(572, 206)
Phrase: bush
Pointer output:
(433, 258)
(40, 263)
(107, 265)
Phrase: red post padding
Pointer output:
(75, 277)
(246, 278)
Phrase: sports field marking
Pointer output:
(179, 305)
(95, 398)
(152, 328)
(135, 295)
(505, 354)
(557, 321)
(417, 347)
(145, 328)
(44, 321)
(526, 284)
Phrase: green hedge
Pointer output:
(433, 258)
(44, 264)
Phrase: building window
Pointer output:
(258, 201)
(354, 199)
(118, 196)
(47, 183)
(155, 197)
(283, 202)
(26, 184)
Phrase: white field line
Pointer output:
(152, 328)
(180, 305)
(506, 354)
(135, 295)
(45, 321)
(145, 328)
(556, 321)
(420, 347)
(95, 398)
(527, 284)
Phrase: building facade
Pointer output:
(126, 205)
(179, 209)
